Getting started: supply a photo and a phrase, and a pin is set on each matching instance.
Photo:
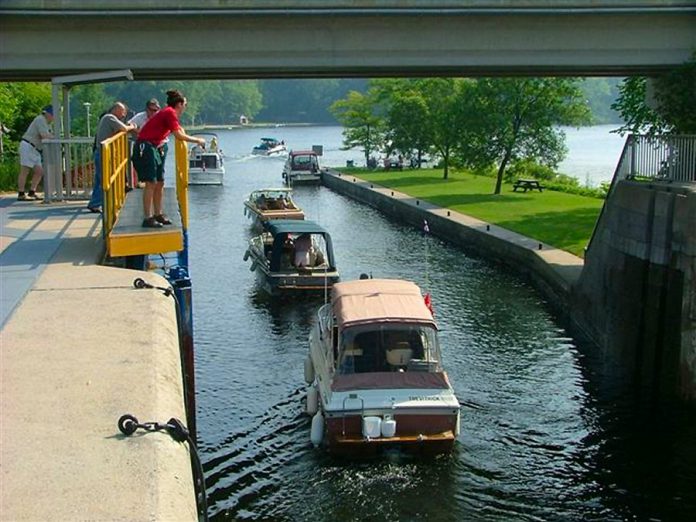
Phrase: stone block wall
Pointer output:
(637, 293)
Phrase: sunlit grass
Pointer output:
(560, 219)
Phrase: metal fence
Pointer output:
(69, 168)
(653, 158)
(659, 158)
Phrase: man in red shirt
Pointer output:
(150, 151)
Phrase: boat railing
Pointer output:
(68, 168)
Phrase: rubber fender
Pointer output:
(312, 400)
(317, 434)
(308, 370)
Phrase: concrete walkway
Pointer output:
(79, 347)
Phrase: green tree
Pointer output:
(517, 118)
(407, 116)
(445, 114)
(362, 126)
(99, 102)
(20, 103)
(668, 105)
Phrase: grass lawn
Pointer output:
(563, 220)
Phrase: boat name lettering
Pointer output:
(424, 398)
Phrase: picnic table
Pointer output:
(527, 184)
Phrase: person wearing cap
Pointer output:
(109, 125)
(30, 153)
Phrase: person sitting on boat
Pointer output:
(288, 253)
(261, 202)
(303, 250)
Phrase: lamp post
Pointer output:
(87, 106)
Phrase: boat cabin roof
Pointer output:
(379, 301)
(294, 226)
(270, 192)
(272, 140)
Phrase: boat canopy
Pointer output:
(379, 301)
(280, 229)
(294, 226)
(275, 191)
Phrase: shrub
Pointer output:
(9, 170)
(528, 168)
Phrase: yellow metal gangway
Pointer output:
(123, 212)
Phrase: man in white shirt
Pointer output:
(151, 108)
(30, 149)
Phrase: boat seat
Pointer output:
(399, 354)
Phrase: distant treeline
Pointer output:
(222, 102)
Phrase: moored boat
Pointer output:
(293, 256)
(206, 165)
(302, 166)
(269, 147)
(272, 203)
(375, 372)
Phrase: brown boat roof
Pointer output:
(379, 301)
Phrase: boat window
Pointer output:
(389, 348)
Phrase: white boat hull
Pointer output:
(206, 177)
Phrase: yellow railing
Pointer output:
(181, 155)
(115, 165)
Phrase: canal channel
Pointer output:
(547, 432)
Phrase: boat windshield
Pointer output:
(388, 348)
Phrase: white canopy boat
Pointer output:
(206, 165)
(375, 372)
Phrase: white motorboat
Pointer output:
(206, 165)
(302, 166)
(375, 372)
(269, 147)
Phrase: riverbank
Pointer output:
(553, 272)
(79, 347)
(562, 220)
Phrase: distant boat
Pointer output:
(302, 166)
(293, 256)
(269, 147)
(206, 165)
(271, 203)
(375, 372)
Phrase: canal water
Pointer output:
(547, 432)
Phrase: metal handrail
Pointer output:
(115, 166)
(69, 168)
(653, 158)
(662, 158)
(181, 156)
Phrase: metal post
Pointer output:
(87, 106)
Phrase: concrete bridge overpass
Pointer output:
(177, 39)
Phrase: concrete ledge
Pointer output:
(553, 271)
(82, 348)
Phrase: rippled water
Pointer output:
(547, 432)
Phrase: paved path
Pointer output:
(79, 347)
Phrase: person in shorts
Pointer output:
(30, 149)
(150, 152)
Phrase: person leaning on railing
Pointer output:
(150, 151)
(109, 125)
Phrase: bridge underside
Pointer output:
(160, 43)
